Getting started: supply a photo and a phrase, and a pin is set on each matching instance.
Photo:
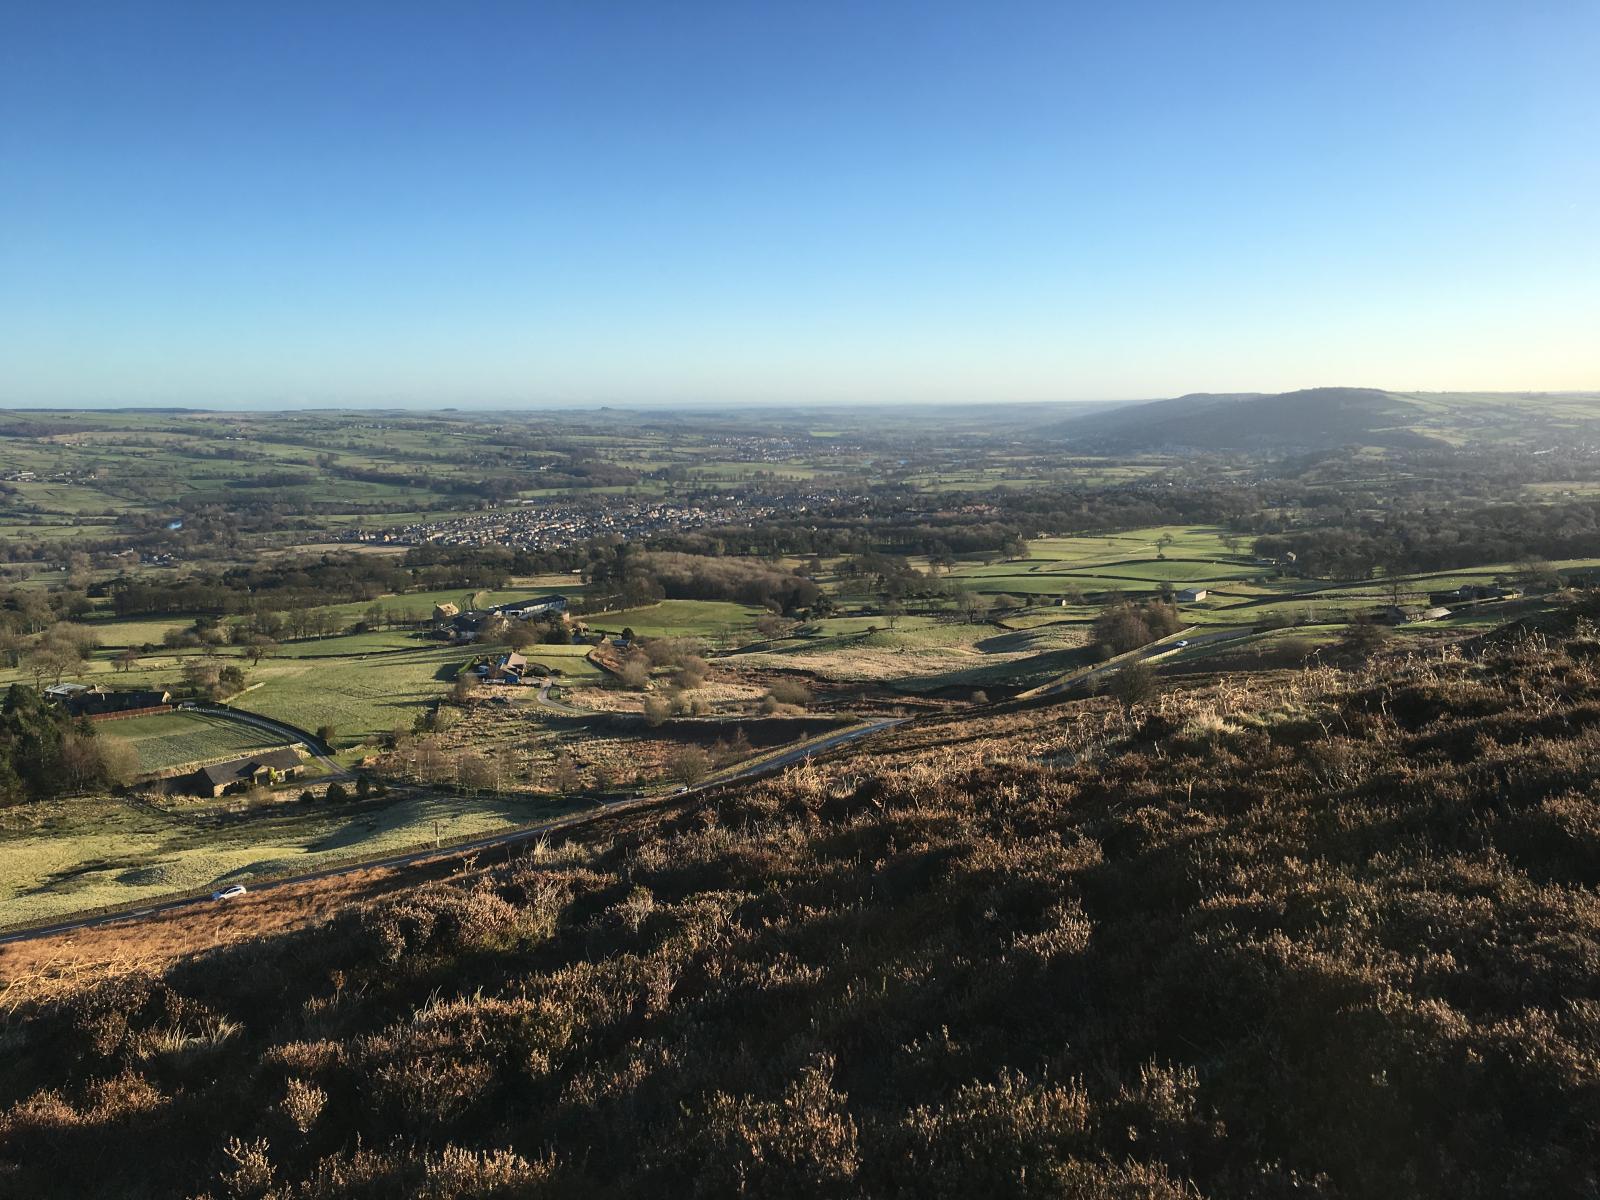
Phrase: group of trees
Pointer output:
(1128, 625)
(44, 752)
(627, 577)
(1349, 545)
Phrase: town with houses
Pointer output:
(551, 525)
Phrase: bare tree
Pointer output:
(689, 765)
(564, 776)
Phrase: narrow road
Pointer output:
(1152, 651)
(556, 705)
(333, 771)
(510, 838)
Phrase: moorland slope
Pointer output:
(1336, 935)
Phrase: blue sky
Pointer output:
(597, 202)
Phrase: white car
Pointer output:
(1180, 644)
(228, 893)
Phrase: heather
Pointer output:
(1331, 934)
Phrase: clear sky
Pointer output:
(664, 200)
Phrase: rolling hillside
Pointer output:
(1329, 417)
(1334, 935)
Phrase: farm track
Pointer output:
(314, 745)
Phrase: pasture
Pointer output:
(359, 695)
(710, 619)
(84, 853)
(176, 739)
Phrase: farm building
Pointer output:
(470, 626)
(1397, 614)
(105, 704)
(1192, 595)
(443, 613)
(508, 668)
(267, 767)
(539, 606)
(1471, 591)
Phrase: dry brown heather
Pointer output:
(1336, 937)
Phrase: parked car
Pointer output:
(228, 893)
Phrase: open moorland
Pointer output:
(1239, 940)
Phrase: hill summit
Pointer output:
(1311, 419)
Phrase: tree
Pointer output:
(635, 673)
(1362, 638)
(518, 636)
(127, 660)
(259, 646)
(656, 710)
(79, 759)
(1134, 685)
(336, 793)
(894, 610)
(119, 760)
(689, 765)
(773, 626)
(326, 733)
(790, 691)
(473, 773)
(564, 776)
(203, 676)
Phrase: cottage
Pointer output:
(508, 668)
(1192, 595)
(471, 626)
(258, 770)
(444, 613)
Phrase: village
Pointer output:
(552, 525)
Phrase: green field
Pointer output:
(178, 738)
(681, 618)
(67, 856)
(358, 696)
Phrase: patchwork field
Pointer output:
(358, 696)
(932, 652)
(174, 739)
(67, 856)
(711, 619)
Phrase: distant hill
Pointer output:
(1316, 418)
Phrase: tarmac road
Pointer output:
(1153, 650)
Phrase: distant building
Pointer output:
(445, 612)
(1471, 592)
(267, 767)
(1403, 614)
(508, 668)
(1192, 595)
(539, 606)
(470, 626)
(105, 704)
